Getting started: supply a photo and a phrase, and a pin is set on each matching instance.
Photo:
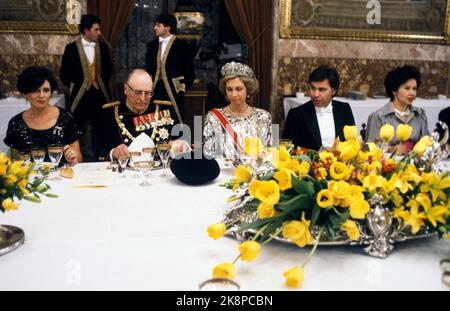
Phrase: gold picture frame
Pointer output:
(39, 17)
(424, 21)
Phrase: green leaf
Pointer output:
(303, 187)
(302, 201)
(51, 195)
(33, 199)
(268, 176)
(315, 214)
(304, 157)
(272, 228)
(256, 224)
(232, 199)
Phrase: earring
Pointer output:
(248, 96)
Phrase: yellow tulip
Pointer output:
(373, 181)
(249, 250)
(298, 231)
(348, 149)
(339, 189)
(4, 158)
(9, 205)
(422, 145)
(299, 168)
(284, 178)
(265, 210)
(281, 158)
(254, 185)
(217, 231)
(268, 192)
(359, 209)
(224, 270)
(3, 168)
(252, 146)
(351, 229)
(327, 158)
(404, 132)
(324, 198)
(350, 132)
(339, 171)
(294, 277)
(387, 132)
(242, 174)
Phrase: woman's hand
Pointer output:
(70, 154)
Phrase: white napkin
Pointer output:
(140, 142)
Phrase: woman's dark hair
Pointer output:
(325, 72)
(33, 77)
(87, 21)
(395, 78)
(168, 20)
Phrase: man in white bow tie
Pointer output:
(320, 121)
(169, 61)
(86, 69)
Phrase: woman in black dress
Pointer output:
(42, 124)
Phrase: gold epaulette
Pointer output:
(162, 102)
(110, 105)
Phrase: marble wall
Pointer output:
(361, 65)
(19, 51)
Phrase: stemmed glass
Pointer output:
(219, 284)
(136, 158)
(149, 155)
(164, 152)
(38, 156)
(55, 153)
(287, 143)
(123, 161)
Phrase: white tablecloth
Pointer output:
(11, 106)
(363, 108)
(126, 237)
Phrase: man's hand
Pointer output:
(120, 150)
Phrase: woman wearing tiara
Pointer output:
(226, 128)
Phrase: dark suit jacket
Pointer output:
(179, 72)
(302, 127)
(444, 116)
(73, 67)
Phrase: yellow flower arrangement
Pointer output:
(307, 197)
(17, 182)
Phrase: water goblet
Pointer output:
(123, 161)
(164, 153)
(55, 153)
(149, 155)
(38, 156)
(136, 156)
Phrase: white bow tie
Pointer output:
(328, 109)
(161, 40)
(92, 44)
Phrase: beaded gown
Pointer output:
(23, 138)
(218, 143)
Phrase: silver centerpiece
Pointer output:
(10, 238)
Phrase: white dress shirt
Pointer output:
(326, 124)
(164, 42)
(89, 49)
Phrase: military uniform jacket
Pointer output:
(176, 72)
(124, 125)
(74, 72)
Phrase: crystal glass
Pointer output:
(149, 155)
(164, 153)
(219, 284)
(38, 156)
(136, 157)
(287, 143)
(123, 161)
(55, 153)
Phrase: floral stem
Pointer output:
(236, 259)
(316, 243)
(259, 232)
(272, 236)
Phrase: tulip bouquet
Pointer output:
(17, 181)
(307, 196)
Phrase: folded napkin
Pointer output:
(142, 141)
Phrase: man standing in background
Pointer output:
(86, 69)
(169, 61)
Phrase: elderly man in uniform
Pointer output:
(134, 115)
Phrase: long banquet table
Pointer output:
(126, 237)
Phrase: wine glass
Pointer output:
(287, 143)
(164, 152)
(136, 157)
(55, 153)
(123, 161)
(149, 155)
(38, 156)
(219, 284)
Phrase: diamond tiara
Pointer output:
(236, 69)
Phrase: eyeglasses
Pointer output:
(138, 92)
